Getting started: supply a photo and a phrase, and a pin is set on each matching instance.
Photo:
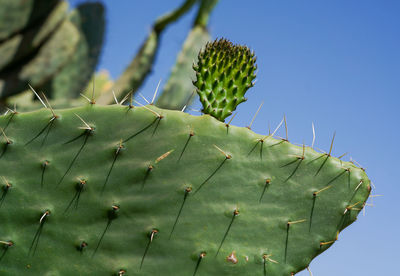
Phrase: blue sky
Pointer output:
(334, 63)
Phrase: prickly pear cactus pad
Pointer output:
(224, 73)
(113, 190)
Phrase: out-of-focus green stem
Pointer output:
(203, 15)
(141, 65)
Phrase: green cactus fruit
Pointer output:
(24, 43)
(88, 18)
(104, 190)
(178, 90)
(224, 72)
(46, 63)
(15, 15)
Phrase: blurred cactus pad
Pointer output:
(57, 51)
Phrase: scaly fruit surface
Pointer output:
(104, 190)
(224, 73)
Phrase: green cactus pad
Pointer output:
(51, 57)
(89, 19)
(22, 44)
(15, 15)
(100, 190)
(224, 73)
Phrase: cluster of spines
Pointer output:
(224, 73)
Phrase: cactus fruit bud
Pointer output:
(224, 73)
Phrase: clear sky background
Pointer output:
(332, 62)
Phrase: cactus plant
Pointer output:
(132, 190)
(148, 191)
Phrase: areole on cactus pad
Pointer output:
(123, 190)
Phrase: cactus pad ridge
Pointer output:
(224, 73)
(284, 222)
